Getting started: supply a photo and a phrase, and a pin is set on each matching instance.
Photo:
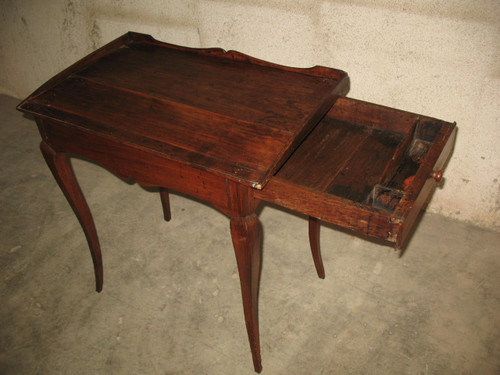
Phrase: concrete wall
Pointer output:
(436, 58)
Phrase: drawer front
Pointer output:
(425, 181)
(365, 167)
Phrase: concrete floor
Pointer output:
(171, 302)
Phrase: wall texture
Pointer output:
(436, 58)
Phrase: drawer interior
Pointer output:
(360, 158)
(368, 160)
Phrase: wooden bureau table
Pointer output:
(233, 131)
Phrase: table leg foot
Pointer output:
(63, 173)
(245, 233)
(165, 202)
(314, 226)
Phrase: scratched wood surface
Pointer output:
(232, 131)
(357, 149)
(225, 112)
(342, 158)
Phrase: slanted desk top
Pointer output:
(222, 111)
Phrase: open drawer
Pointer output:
(365, 167)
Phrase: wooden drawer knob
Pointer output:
(437, 175)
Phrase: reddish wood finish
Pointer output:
(375, 116)
(423, 184)
(165, 203)
(233, 131)
(245, 235)
(63, 173)
(228, 113)
(150, 169)
(331, 174)
(204, 122)
(314, 227)
(326, 207)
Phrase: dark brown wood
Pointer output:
(143, 166)
(317, 71)
(151, 169)
(333, 174)
(226, 146)
(326, 207)
(245, 233)
(314, 226)
(165, 203)
(376, 116)
(423, 184)
(232, 131)
(323, 154)
(366, 166)
(63, 173)
(399, 158)
(234, 93)
(233, 115)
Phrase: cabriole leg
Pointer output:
(61, 169)
(165, 202)
(245, 233)
(314, 226)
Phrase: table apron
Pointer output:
(130, 162)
